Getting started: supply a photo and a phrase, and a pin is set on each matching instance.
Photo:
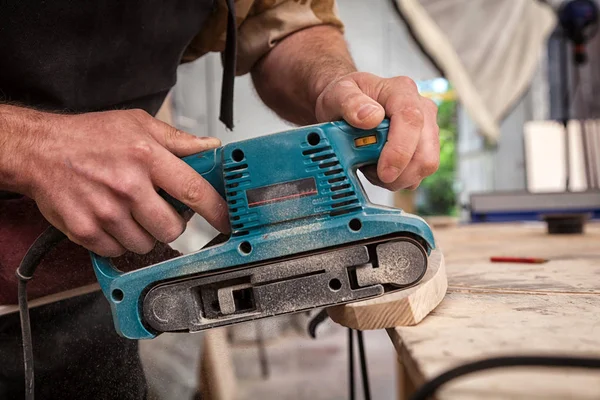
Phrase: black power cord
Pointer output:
(351, 363)
(363, 364)
(42, 245)
(430, 388)
(315, 322)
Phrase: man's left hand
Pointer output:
(364, 100)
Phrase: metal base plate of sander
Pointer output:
(330, 277)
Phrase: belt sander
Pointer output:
(303, 236)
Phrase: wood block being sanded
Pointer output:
(402, 308)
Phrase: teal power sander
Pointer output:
(303, 236)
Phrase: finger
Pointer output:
(426, 158)
(403, 106)
(346, 100)
(93, 238)
(131, 235)
(157, 217)
(112, 214)
(80, 227)
(105, 246)
(179, 142)
(183, 183)
(370, 172)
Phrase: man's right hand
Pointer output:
(95, 176)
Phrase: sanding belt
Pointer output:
(68, 266)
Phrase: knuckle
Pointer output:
(127, 187)
(194, 191)
(412, 116)
(430, 166)
(406, 83)
(84, 234)
(108, 215)
(139, 114)
(427, 164)
(141, 150)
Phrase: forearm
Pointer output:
(18, 129)
(292, 75)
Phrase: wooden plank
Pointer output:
(470, 326)
(405, 307)
(404, 384)
(568, 276)
(573, 259)
(496, 309)
(466, 244)
(52, 298)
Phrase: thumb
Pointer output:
(344, 99)
(179, 142)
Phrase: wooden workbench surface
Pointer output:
(494, 309)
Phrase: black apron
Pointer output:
(72, 56)
(81, 56)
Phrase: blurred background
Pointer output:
(507, 82)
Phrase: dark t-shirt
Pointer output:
(79, 56)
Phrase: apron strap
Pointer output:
(229, 67)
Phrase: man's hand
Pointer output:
(364, 100)
(310, 77)
(95, 177)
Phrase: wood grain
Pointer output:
(471, 326)
(402, 308)
(496, 309)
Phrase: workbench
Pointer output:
(496, 309)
